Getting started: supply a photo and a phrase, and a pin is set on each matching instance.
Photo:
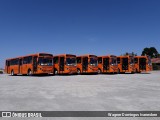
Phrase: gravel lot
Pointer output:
(120, 92)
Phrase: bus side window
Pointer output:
(11, 62)
(136, 60)
(118, 60)
(25, 60)
(100, 60)
(14, 62)
(17, 61)
(55, 60)
(7, 63)
(78, 59)
(20, 61)
(29, 60)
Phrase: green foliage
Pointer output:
(152, 52)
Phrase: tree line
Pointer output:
(152, 52)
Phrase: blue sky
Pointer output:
(78, 26)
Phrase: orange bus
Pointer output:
(142, 64)
(87, 64)
(40, 63)
(107, 64)
(126, 64)
(64, 64)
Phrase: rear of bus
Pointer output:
(12, 66)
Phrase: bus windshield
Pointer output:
(70, 61)
(45, 61)
(93, 61)
(113, 61)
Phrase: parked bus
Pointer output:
(142, 64)
(65, 64)
(126, 64)
(87, 64)
(107, 64)
(40, 63)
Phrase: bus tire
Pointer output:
(12, 73)
(29, 72)
(55, 72)
(99, 71)
(78, 71)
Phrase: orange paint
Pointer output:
(39, 63)
(125, 64)
(65, 64)
(87, 64)
(107, 64)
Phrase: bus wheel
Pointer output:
(29, 72)
(55, 72)
(12, 73)
(78, 71)
(99, 71)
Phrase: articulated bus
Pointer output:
(40, 63)
(87, 64)
(142, 64)
(65, 64)
(126, 64)
(107, 64)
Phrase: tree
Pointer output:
(152, 52)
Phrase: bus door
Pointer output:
(20, 66)
(142, 63)
(105, 64)
(124, 63)
(61, 65)
(34, 64)
(85, 64)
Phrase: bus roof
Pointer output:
(87, 55)
(107, 56)
(39, 54)
(126, 56)
(64, 55)
(140, 56)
